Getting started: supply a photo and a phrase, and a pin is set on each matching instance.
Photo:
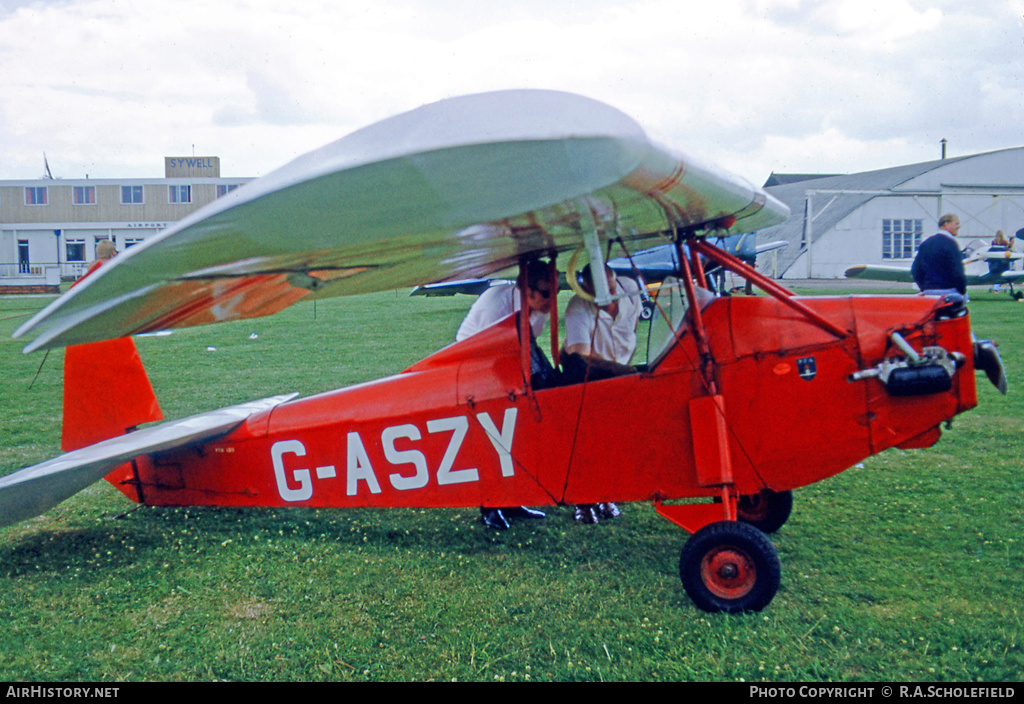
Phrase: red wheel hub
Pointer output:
(728, 572)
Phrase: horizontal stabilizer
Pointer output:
(34, 490)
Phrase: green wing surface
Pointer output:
(457, 189)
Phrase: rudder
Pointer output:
(106, 393)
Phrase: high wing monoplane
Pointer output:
(463, 189)
(984, 265)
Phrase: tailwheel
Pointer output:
(730, 566)
(767, 510)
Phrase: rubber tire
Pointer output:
(767, 511)
(731, 567)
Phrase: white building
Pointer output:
(49, 228)
(881, 217)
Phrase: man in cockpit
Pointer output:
(599, 344)
(496, 304)
(499, 302)
(600, 340)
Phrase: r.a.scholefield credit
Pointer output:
(888, 691)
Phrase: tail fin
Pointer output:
(106, 393)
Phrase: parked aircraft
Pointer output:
(650, 266)
(984, 265)
(466, 188)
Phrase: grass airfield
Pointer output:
(909, 568)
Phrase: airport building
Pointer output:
(881, 217)
(49, 228)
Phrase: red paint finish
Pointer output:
(461, 428)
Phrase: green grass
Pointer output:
(906, 569)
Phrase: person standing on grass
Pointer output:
(938, 268)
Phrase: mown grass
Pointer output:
(906, 569)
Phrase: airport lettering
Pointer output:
(193, 163)
(409, 464)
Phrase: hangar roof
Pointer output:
(793, 193)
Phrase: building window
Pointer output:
(223, 190)
(901, 238)
(131, 194)
(180, 194)
(75, 250)
(131, 241)
(84, 195)
(35, 195)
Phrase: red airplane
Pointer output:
(465, 188)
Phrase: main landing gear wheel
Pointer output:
(730, 566)
(767, 511)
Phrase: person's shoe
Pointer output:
(987, 359)
(609, 510)
(521, 512)
(585, 513)
(493, 518)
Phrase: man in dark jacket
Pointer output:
(939, 266)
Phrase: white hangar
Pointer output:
(881, 217)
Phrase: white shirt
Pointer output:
(493, 305)
(614, 339)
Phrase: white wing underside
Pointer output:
(456, 189)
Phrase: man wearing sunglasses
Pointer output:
(496, 304)
(499, 302)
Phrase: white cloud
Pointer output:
(110, 87)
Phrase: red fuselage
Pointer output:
(463, 427)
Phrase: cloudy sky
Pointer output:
(107, 88)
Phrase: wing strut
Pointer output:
(592, 243)
(780, 293)
(553, 288)
(713, 457)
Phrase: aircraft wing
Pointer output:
(770, 246)
(31, 491)
(880, 273)
(894, 273)
(457, 189)
(989, 278)
(656, 263)
(472, 287)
